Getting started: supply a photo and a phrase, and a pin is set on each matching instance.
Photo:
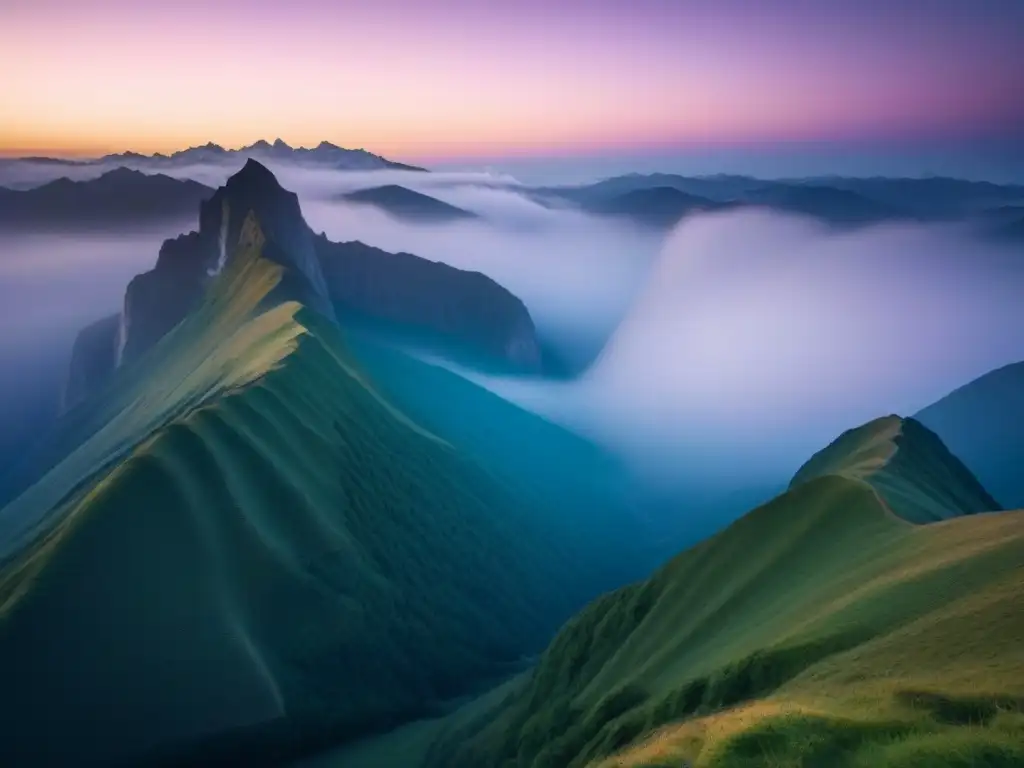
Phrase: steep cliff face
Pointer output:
(92, 360)
(289, 241)
(156, 301)
(405, 292)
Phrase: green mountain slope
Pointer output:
(242, 549)
(582, 491)
(818, 630)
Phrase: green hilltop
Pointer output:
(821, 629)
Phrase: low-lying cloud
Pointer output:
(735, 346)
(758, 338)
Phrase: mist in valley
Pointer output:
(51, 286)
(720, 354)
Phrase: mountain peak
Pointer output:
(278, 144)
(254, 174)
(255, 189)
(122, 172)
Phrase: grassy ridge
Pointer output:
(818, 630)
(243, 548)
(922, 483)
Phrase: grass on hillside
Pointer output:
(242, 549)
(818, 630)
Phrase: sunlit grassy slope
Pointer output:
(241, 548)
(821, 629)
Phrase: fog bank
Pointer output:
(758, 338)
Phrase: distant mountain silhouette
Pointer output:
(981, 423)
(118, 198)
(934, 197)
(407, 204)
(324, 154)
(841, 206)
(835, 200)
(654, 206)
(1005, 222)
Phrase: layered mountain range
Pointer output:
(324, 155)
(661, 200)
(119, 199)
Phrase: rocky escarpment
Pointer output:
(394, 292)
(457, 308)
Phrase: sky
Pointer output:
(449, 80)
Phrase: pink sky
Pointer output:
(448, 78)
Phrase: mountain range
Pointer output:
(661, 200)
(121, 198)
(324, 155)
(267, 531)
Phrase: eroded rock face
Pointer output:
(405, 292)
